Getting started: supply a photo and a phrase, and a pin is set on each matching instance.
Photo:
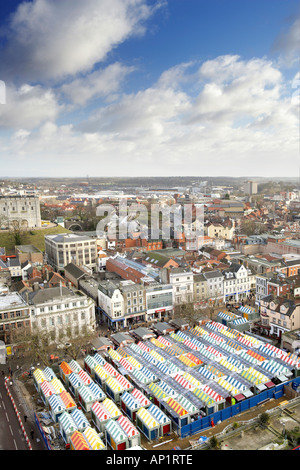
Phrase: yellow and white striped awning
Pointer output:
(58, 386)
(157, 343)
(229, 387)
(157, 356)
(192, 379)
(186, 361)
(134, 362)
(114, 355)
(114, 385)
(39, 376)
(228, 365)
(101, 372)
(254, 341)
(200, 330)
(263, 378)
(147, 418)
(111, 408)
(94, 439)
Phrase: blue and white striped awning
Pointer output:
(227, 315)
(236, 383)
(158, 414)
(170, 392)
(247, 309)
(97, 391)
(56, 404)
(148, 373)
(67, 423)
(164, 368)
(275, 368)
(75, 380)
(130, 401)
(80, 419)
(239, 321)
(266, 350)
(206, 373)
(99, 359)
(149, 358)
(49, 374)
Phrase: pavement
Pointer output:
(17, 405)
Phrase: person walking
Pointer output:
(32, 434)
(25, 418)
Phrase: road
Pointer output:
(11, 435)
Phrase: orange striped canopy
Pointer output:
(79, 442)
(176, 407)
(254, 354)
(66, 368)
(67, 399)
(193, 358)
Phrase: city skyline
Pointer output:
(139, 88)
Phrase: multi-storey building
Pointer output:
(68, 248)
(279, 315)
(182, 281)
(159, 301)
(14, 315)
(20, 211)
(200, 287)
(61, 313)
(237, 282)
(215, 285)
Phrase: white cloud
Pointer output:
(54, 39)
(287, 44)
(28, 107)
(100, 83)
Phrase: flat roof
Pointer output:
(11, 300)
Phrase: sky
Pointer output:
(149, 88)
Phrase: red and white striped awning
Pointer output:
(214, 351)
(124, 363)
(127, 426)
(143, 346)
(124, 382)
(164, 341)
(182, 381)
(85, 377)
(101, 412)
(140, 397)
(47, 389)
(110, 369)
(212, 393)
(216, 337)
(191, 345)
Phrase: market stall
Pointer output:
(64, 371)
(116, 437)
(164, 421)
(99, 416)
(67, 426)
(75, 382)
(46, 390)
(80, 419)
(147, 424)
(78, 442)
(133, 435)
(93, 439)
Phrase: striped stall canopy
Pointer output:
(213, 370)
(158, 343)
(140, 397)
(187, 404)
(101, 372)
(263, 348)
(227, 333)
(290, 359)
(141, 377)
(135, 348)
(228, 349)
(208, 354)
(114, 385)
(115, 431)
(100, 411)
(134, 362)
(124, 382)
(228, 365)
(122, 352)
(66, 369)
(206, 373)
(194, 358)
(49, 374)
(114, 355)
(110, 369)
(90, 362)
(213, 394)
(203, 396)
(166, 388)
(157, 356)
(56, 403)
(182, 335)
(39, 376)
(173, 367)
(215, 326)
(263, 378)
(187, 361)
(250, 377)
(190, 344)
(254, 341)
(227, 315)
(200, 330)
(233, 381)
(80, 419)
(235, 333)
(249, 357)
(85, 377)
(75, 380)
(157, 391)
(192, 379)
(176, 407)
(127, 365)
(227, 386)
(127, 426)
(198, 344)
(183, 382)
(235, 362)
(130, 401)
(163, 367)
(97, 391)
(239, 321)
(47, 389)
(233, 345)
(147, 418)
(275, 368)
(111, 408)
(67, 423)
(148, 373)
(67, 400)
(164, 340)
(244, 341)
(257, 356)
(79, 442)
(214, 351)
(99, 359)
(158, 414)
(75, 366)
(85, 392)
(143, 346)
(174, 350)
(58, 386)
(94, 439)
(150, 358)
(177, 337)
(247, 309)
